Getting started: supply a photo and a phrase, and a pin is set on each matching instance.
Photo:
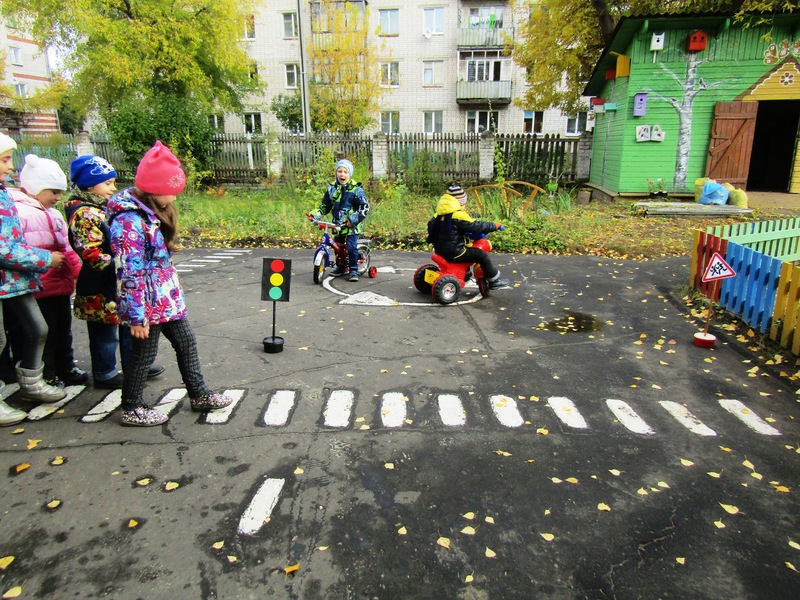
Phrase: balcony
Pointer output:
(483, 92)
(485, 38)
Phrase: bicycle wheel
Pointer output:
(320, 262)
(363, 259)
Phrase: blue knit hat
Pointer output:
(87, 171)
(346, 164)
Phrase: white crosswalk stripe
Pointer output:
(260, 507)
(394, 411)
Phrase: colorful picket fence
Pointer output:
(765, 293)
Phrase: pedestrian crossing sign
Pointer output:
(718, 269)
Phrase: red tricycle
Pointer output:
(445, 280)
(331, 253)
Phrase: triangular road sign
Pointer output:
(718, 269)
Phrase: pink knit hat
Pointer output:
(159, 172)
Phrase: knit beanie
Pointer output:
(346, 164)
(88, 171)
(458, 193)
(159, 172)
(6, 143)
(39, 174)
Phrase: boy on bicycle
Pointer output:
(348, 205)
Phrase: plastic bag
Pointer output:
(714, 193)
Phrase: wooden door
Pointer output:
(732, 142)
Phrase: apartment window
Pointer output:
(577, 123)
(432, 121)
(389, 21)
(432, 72)
(289, 25)
(250, 28)
(252, 122)
(479, 121)
(292, 75)
(486, 17)
(15, 55)
(322, 14)
(483, 65)
(434, 20)
(22, 90)
(390, 122)
(532, 121)
(253, 73)
(390, 74)
(217, 123)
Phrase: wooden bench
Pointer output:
(689, 209)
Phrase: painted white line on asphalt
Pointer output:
(45, 410)
(221, 415)
(567, 412)
(337, 410)
(168, 403)
(260, 507)
(279, 408)
(748, 417)
(393, 409)
(183, 270)
(451, 411)
(628, 417)
(103, 408)
(505, 409)
(369, 299)
(687, 419)
(206, 259)
(387, 270)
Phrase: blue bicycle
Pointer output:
(331, 253)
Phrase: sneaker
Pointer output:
(498, 283)
(55, 382)
(142, 416)
(210, 401)
(154, 371)
(74, 376)
(338, 271)
(353, 276)
(115, 383)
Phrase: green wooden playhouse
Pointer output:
(678, 98)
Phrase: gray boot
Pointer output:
(33, 387)
(8, 414)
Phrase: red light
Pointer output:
(276, 266)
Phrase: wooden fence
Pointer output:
(439, 156)
(301, 152)
(765, 292)
(531, 157)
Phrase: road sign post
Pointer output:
(276, 278)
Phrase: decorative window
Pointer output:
(432, 121)
(432, 72)
(217, 122)
(292, 75)
(486, 17)
(479, 121)
(433, 21)
(250, 27)
(290, 30)
(15, 55)
(390, 122)
(389, 21)
(252, 122)
(576, 123)
(22, 90)
(532, 121)
(390, 74)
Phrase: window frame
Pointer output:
(252, 123)
(479, 11)
(582, 116)
(536, 118)
(390, 119)
(292, 24)
(395, 22)
(433, 24)
(437, 74)
(294, 69)
(492, 117)
(390, 74)
(436, 119)
(15, 55)
(249, 32)
(21, 89)
(217, 122)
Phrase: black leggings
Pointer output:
(475, 255)
(32, 327)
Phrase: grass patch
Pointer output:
(274, 217)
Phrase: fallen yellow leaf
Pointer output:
(468, 530)
(489, 520)
(22, 467)
(542, 431)
(490, 553)
(53, 504)
(132, 523)
(298, 471)
(724, 449)
(782, 488)
(171, 485)
(555, 480)
(548, 537)
(232, 559)
(389, 465)
(18, 431)
(663, 484)
(615, 472)
(444, 542)
(468, 579)
(470, 515)
(502, 453)
(641, 492)
(794, 545)
(686, 462)
(322, 548)
(680, 560)
(571, 480)
(729, 508)
(788, 566)
(713, 474)
(758, 476)
(16, 591)
(33, 443)
(402, 531)
(7, 560)
(145, 481)
(58, 460)
(291, 569)
(218, 545)
(604, 507)
(719, 524)
(748, 464)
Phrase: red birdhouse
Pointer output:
(697, 41)
(611, 74)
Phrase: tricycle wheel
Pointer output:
(419, 278)
(320, 262)
(446, 289)
(373, 272)
(483, 286)
(363, 259)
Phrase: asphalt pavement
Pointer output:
(563, 438)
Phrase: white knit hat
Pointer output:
(6, 143)
(39, 174)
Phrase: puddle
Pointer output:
(575, 322)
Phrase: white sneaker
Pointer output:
(10, 415)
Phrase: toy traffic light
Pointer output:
(275, 279)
